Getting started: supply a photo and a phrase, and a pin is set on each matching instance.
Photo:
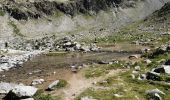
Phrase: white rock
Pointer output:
(24, 91)
(137, 68)
(51, 86)
(87, 98)
(37, 81)
(154, 91)
(6, 87)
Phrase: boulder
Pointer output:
(21, 92)
(52, 85)
(153, 76)
(162, 69)
(37, 81)
(6, 87)
(154, 94)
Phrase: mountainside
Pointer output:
(82, 18)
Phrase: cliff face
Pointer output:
(25, 10)
(34, 19)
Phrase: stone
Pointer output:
(162, 69)
(133, 76)
(147, 61)
(74, 69)
(153, 91)
(118, 95)
(87, 98)
(20, 91)
(137, 68)
(154, 94)
(142, 77)
(52, 85)
(6, 87)
(84, 48)
(37, 81)
(133, 56)
(153, 76)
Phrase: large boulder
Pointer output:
(6, 87)
(162, 69)
(21, 92)
(154, 94)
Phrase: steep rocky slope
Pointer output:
(82, 18)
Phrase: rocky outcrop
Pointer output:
(36, 9)
(44, 7)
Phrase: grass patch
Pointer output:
(41, 96)
(99, 70)
(15, 29)
(62, 83)
(95, 72)
(2, 13)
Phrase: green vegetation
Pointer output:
(2, 13)
(15, 29)
(99, 70)
(62, 83)
(58, 14)
(126, 87)
(40, 95)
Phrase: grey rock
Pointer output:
(21, 91)
(147, 61)
(137, 68)
(153, 91)
(142, 77)
(162, 69)
(37, 81)
(133, 76)
(6, 87)
(133, 56)
(154, 94)
(24, 91)
(52, 85)
(153, 76)
(87, 98)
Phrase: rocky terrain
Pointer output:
(85, 49)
